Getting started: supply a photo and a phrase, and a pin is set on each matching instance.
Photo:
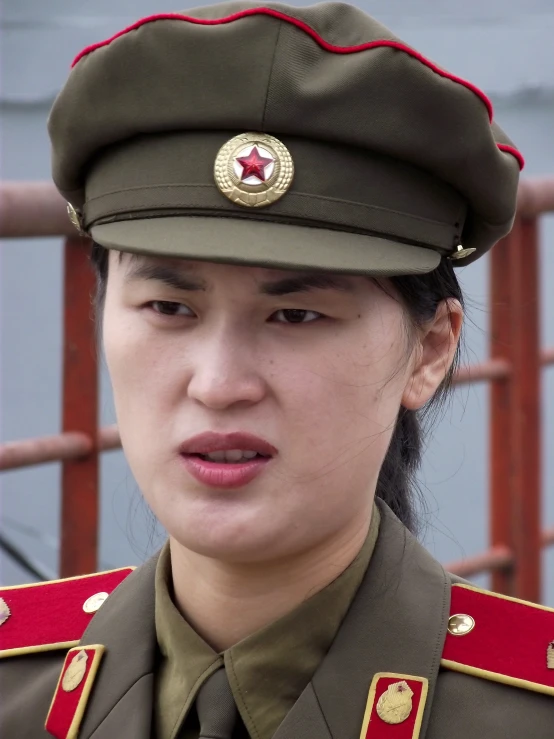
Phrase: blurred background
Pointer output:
(503, 46)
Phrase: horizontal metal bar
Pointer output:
(497, 558)
(35, 209)
(535, 196)
(493, 369)
(16, 454)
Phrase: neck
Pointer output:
(254, 595)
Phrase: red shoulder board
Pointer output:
(52, 615)
(500, 638)
(72, 691)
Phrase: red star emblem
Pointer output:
(254, 165)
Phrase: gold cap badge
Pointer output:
(395, 705)
(75, 672)
(253, 169)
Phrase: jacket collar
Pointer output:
(121, 700)
(397, 623)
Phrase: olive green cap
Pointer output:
(297, 138)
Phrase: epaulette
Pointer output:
(500, 638)
(42, 616)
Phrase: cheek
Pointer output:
(343, 406)
(140, 372)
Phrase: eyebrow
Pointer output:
(174, 278)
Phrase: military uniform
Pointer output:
(301, 138)
(461, 661)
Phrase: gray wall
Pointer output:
(504, 46)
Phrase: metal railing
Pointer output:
(513, 370)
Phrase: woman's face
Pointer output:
(315, 365)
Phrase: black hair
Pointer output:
(421, 295)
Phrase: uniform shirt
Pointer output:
(267, 671)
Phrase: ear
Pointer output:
(434, 354)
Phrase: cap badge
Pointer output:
(253, 169)
(550, 656)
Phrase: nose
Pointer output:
(225, 374)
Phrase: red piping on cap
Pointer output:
(514, 152)
(321, 41)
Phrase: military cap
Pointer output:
(287, 137)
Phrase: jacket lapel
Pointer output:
(397, 623)
(120, 703)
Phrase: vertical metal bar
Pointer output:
(79, 515)
(501, 406)
(526, 432)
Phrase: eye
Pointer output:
(297, 315)
(169, 308)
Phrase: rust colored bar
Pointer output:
(501, 407)
(535, 196)
(495, 559)
(525, 420)
(36, 209)
(16, 454)
(493, 369)
(79, 515)
(547, 357)
(32, 209)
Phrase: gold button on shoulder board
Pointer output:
(460, 624)
(92, 604)
(253, 169)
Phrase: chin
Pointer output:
(239, 534)
(224, 546)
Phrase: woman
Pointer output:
(277, 198)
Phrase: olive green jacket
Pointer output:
(398, 623)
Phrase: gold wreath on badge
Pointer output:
(75, 672)
(5, 612)
(253, 169)
(550, 656)
(395, 705)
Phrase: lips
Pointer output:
(210, 441)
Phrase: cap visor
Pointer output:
(265, 244)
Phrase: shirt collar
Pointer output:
(268, 670)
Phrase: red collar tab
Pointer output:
(500, 638)
(52, 615)
(72, 691)
(395, 706)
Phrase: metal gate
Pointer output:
(514, 371)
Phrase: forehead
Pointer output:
(199, 275)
